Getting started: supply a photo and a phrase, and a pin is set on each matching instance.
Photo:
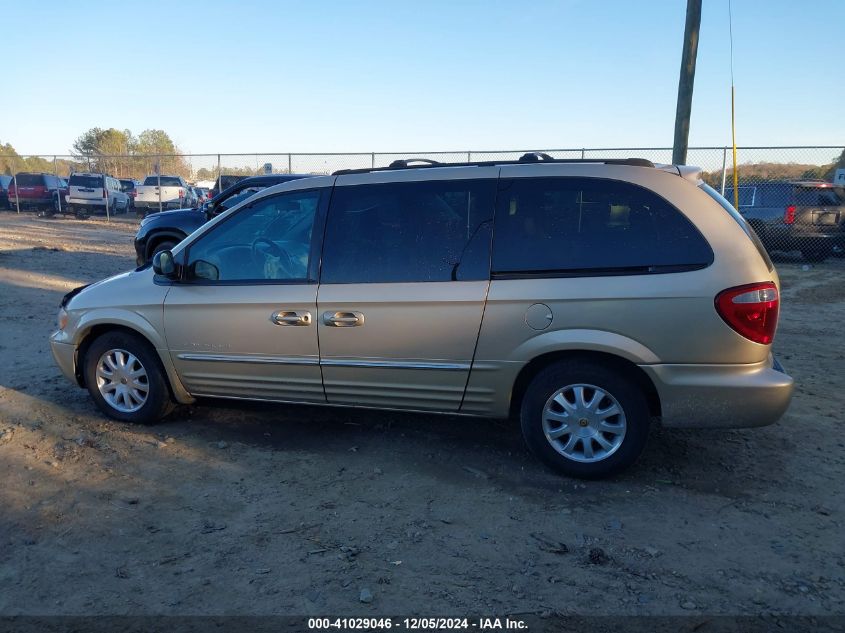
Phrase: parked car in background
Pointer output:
(128, 186)
(92, 193)
(5, 181)
(224, 182)
(801, 215)
(36, 190)
(583, 298)
(173, 193)
(162, 231)
(203, 194)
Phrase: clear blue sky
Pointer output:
(251, 76)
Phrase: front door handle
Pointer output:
(288, 317)
(343, 319)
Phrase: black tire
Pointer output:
(162, 246)
(625, 391)
(157, 404)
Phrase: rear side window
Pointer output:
(409, 232)
(86, 182)
(561, 226)
(29, 180)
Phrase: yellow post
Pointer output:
(733, 137)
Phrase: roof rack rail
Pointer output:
(530, 157)
(535, 157)
(403, 163)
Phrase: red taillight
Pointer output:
(789, 214)
(751, 310)
(181, 193)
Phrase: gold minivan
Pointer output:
(583, 298)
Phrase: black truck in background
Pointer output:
(802, 215)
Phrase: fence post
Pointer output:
(469, 157)
(373, 163)
(158, 173)
(219, 176)
(724, 168)
(17, 198)
(290, 168)
(59, 189)
(583, 151)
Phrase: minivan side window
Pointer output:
(266, 242)
(583, 226)
(427, 231)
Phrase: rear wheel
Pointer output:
(125, 378)
(584, 420)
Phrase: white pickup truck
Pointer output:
(164, 192)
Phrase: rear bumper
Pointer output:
(31, 202)
(165, 204)
(721, 396)
(87, 202)
(785, 237)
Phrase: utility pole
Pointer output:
(686, 81)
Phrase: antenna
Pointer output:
(733, 107)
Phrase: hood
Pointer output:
(135, 287)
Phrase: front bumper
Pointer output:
(65, 355)
(721, 396)
(172, 204)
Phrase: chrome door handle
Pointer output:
(343, 319)
(287, 317)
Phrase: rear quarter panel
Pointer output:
(647, 319)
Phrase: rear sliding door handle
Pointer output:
(288, 317)
(343, 319)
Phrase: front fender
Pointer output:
(136, 322)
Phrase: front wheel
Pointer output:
(164, 246)
(584, 420)
(125, 378)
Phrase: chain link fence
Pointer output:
(793, 196)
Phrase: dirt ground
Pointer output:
(248, 509)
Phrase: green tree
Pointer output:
(156, 145)
(107, 150)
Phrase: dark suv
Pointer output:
(38, 191)
(805, 215)
(162, 231)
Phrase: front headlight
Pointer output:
(62, 318)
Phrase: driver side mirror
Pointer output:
(164, 265)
